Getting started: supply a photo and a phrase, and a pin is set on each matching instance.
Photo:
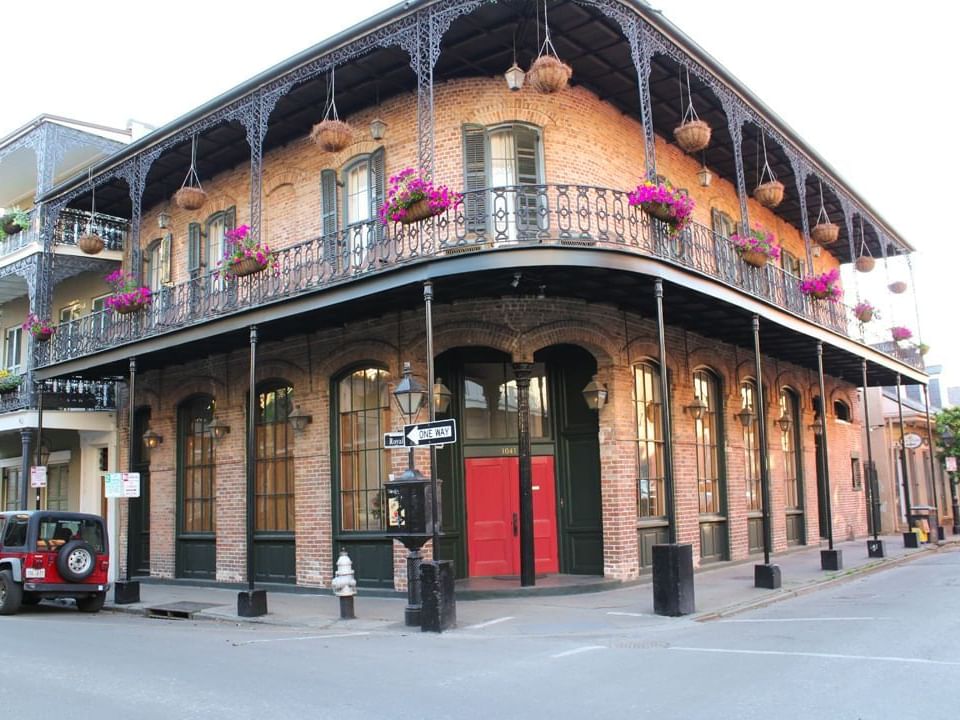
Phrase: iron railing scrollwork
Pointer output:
(478, 221)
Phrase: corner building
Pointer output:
(540, 269)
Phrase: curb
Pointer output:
(814, 586)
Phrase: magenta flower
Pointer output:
(823, 286)
(901, 333)
(680, 205)
(759, 240)
(126, 292)
(406, 189)
(240, 245)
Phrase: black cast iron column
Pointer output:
(762, 427)
(522, 372)
(39, 431)
(933, 467)
(665, 415)
(26, 435)
(127, 591)
(432, 409)
(825, 454)
(903, 470)
(251, 602)
(871, 474)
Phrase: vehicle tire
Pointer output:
(10, 593)
(91, 603)
(76, 561)
(30, 599)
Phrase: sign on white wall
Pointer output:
(951, 463)
(912, 441)
(118, 485)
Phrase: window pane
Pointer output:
(199, 484)
(646, 384)
(363, 461)
(274, 486)
(708, 466)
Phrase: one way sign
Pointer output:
(439, 432)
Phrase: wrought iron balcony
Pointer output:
(73, 224)
(69, 394)
(481, 221)
(13, 243)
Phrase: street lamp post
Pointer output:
(406, 501)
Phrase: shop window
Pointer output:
(490, 402)
(706, 388)
(363, 413)
(198, 476)
(646, 387)
(275, 463)
(751, 448)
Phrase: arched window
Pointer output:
(841, 410)
(198, 478)
(363, 404)
(275, 483)
(751, 447)
(646, 387)
(789, 432)
(705, 387)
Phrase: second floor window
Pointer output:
(14, 350)
(498, 162)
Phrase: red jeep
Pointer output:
(47, 554)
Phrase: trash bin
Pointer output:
(923, 518)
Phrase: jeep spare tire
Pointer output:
(76, 561)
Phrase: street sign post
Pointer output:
(439, 432)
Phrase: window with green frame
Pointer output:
(789, 408)
(58, 485)
(751, 448)
(275, 496)
(646, 388)
(199, 483)
(11, 488)
(363, 405)
(705, 387)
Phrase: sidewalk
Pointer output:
(719, 591)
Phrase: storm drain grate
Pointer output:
(183, 610)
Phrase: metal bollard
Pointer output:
(345, 585)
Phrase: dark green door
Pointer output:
(576, 426)
(138, 538)
(822, 498)
(196, 491)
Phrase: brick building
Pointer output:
(542, 271)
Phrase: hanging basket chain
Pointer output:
(689, 113)
(767, 171)
(822, 215)
(864, 248)
(330, 108)
(93, 203)
(192, 179)
(547, 46)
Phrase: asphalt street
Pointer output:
(882, 645)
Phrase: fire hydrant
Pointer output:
(345, 585)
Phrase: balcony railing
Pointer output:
(73, 224)
(67, 394)
(481, 221)
(12, 243)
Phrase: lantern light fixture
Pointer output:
(152, 439)
(378, 128)
(784, 421)
(441, 396)
(410, 393)
(696, 408)
(595, 395)
(705, 176)
(746, 416)
(299, 419)
(163, 220)
(44, 454)
(218, 429)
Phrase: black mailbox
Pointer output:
(408, 505)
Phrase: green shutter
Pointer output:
(193, 247)
(230, 219)
(475, 178)
(525, 147)
(328, 215)
(377, 170)
(165, 271)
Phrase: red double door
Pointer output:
(493, 516)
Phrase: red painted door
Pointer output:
(493, 516)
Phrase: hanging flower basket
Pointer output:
(900, 333)
(825, 233)
(411, 199)
(756, 247)
(769, 194)
(9, 382)
(41, 330)
(90, 243)
(825, 286)
(247, 266)
(664, 202)
(244, 255)
(331, 135)
(865, 263)
(10, 227)
(898, 287)
(128, 296)
(549, 74)
(692, 136)
(128, 308)
(864, 312)
(14, 221)
(923, 348)
(190, 198)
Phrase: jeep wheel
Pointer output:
(91, 603)
(75, 561)
(10, 593)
